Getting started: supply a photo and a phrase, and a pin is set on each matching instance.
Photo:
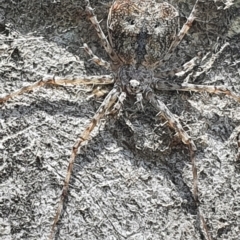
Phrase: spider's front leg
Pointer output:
(109, 105)
(176, 125)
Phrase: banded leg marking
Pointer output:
(107, 104)
(77, 80)
(176, 125)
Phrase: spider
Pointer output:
(142, 35)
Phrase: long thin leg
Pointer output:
(180, 71)
(101, 35)
(96, 59)
(77, 80)
(208, 65)
(176, 125)
(188, 66)
(182, 32)
(163, 85)
(167, 86)
(106, 106)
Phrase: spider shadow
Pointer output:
(63, 23)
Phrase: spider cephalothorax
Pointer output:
(134, 79)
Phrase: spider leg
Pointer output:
(208, 65)
(81, 80)
(101, 35)
(187, 25)
(197, 60)
(163, 85)
(176, 125)
(180, 71)
(106, 106)
(185, 86)
(96, 59)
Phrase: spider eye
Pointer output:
(134, 85)
(130, 21)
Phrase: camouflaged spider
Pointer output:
(141, 36)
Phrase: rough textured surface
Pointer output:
(131, 181)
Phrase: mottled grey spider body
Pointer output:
(141, 35)
(141, 32)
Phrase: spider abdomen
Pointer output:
(141, 32)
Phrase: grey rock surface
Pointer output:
(134, 180)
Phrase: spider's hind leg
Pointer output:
(108, 48)
(160, 84)
(185, 28)
(95, 58)
(180, 71)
